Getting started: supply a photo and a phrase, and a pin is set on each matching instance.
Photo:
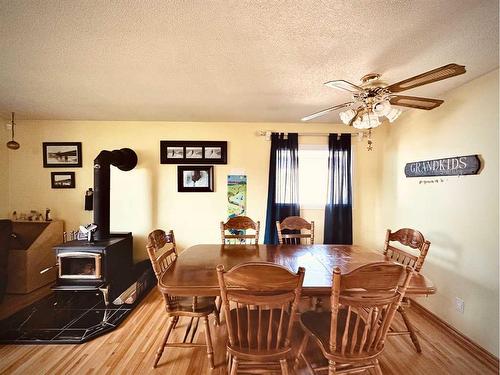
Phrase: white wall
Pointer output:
(459, 215)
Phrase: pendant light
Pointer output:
(13, 145)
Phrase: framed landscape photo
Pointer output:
(62, 154)
(193, 152)
(62, 180)
(196, 178)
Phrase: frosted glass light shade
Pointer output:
(382, 108)
(393, 114)
(366, 121)
(347, 116)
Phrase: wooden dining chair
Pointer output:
(240, 224)
(363, 302)
(163, 254)
(295, 223)
(417, 247)
(259, 302)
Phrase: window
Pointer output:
(313, 176)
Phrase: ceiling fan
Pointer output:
(373, 98)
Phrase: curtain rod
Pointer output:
(267, 134)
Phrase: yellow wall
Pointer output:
(459, 215)
(146, 197)
(4, 170)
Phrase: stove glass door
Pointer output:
(79, 265)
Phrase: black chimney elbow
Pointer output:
(125, 159)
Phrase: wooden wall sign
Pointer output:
(456, 166)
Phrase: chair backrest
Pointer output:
(162, 254)
(411, 238)
(161, 250)
(295, 223)
(363, 304)
(239, 223)
(264, 298)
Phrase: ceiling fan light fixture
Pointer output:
(393, 114)
(347, 116)
(366, 121)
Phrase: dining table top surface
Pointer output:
(194, 271)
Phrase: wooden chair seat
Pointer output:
(318, 323)
(191, 306)
(266, 350)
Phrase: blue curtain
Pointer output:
(283, 190)
(338, 210)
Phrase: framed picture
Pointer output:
(62, 180)
(62, 154)
(196, 178)
(193, 152)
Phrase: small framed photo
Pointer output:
(62, 154)
(193, 152)
(62, 180)
(213, 153)
(197, 178)
(175, 152)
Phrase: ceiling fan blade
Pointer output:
(434, 75)
(325, 111)
(341, 84)
(416, 102)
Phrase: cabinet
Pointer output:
(30, 251)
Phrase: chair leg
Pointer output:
(302, 347)
(234, 366)
(229, 362)
(210, 350)
(378, 370)
(165, 338)
(284, 367)
(331, 368)
(218, 307)
(217, 317)
(409, 326)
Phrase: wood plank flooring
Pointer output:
(131, 348)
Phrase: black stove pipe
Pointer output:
(124, 159)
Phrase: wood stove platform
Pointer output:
(67, 317)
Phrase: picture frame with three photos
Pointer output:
(193, 152)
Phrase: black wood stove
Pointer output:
(105, 265)
(105, 262)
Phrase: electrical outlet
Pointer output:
(459, 305)
(8, 126)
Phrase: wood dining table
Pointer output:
(193, 273)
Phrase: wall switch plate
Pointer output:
(8, 126)
(459, 305)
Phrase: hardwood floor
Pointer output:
(131, 349)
